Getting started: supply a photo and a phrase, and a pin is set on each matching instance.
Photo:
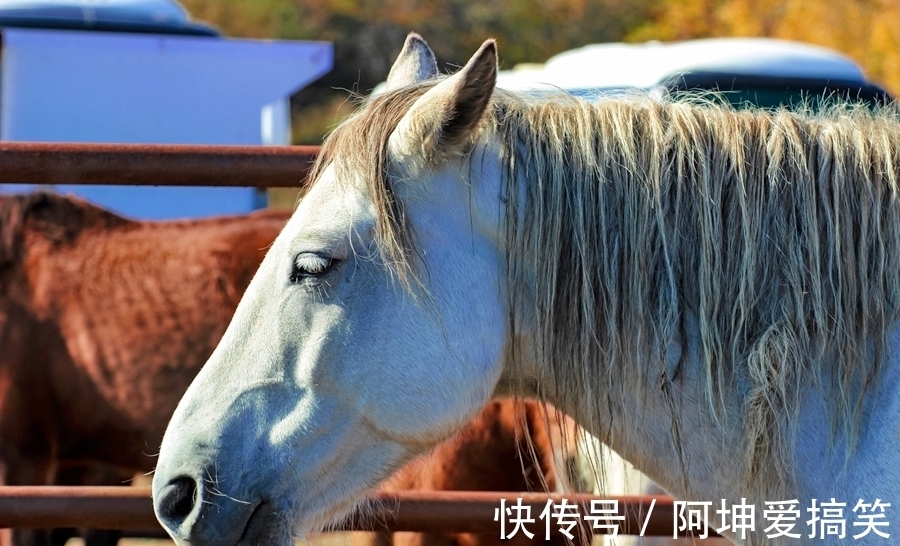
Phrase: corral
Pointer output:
(129, 508)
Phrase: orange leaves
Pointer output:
(868, 31)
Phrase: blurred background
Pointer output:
(367, 34)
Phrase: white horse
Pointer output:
(712, 293)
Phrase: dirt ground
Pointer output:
(332, 539)
(344, 539)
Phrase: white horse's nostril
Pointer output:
(176, 501)
(197, 515)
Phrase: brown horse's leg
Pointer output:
(59, 537)
(92, 537)
(32, 537)
(101, 537)
(379, 538)
(425, 539)
(94, 475)
(27, 472)
(383, 538)
(32, 473)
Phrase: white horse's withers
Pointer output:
(712, 293)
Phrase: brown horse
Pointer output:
(104, 321)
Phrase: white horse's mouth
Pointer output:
(259, 521)
(266, 526)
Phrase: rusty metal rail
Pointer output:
(154, 164)
(130, 509)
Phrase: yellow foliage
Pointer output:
(367, 34)
(868, 31)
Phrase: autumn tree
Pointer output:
(367, 35)
(868, 31)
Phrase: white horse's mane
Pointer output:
(778, 232)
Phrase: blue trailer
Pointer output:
(141, 71)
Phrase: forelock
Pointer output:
(358, 151)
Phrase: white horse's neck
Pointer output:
(709, 467)
(649, 423)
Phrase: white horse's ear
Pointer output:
(415, 63)
(440, 122)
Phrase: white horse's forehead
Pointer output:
(332, 210)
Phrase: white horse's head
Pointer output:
(360, 343)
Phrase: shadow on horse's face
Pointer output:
(332, 374)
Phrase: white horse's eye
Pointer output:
(310, 266)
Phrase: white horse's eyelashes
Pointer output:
(310, 268)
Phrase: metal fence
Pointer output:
(130, 508)
(156, 165)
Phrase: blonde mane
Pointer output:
(777, 232)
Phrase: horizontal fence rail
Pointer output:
(130, 509)
(155, 164)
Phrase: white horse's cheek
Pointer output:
(284, 430)
(407, 374)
